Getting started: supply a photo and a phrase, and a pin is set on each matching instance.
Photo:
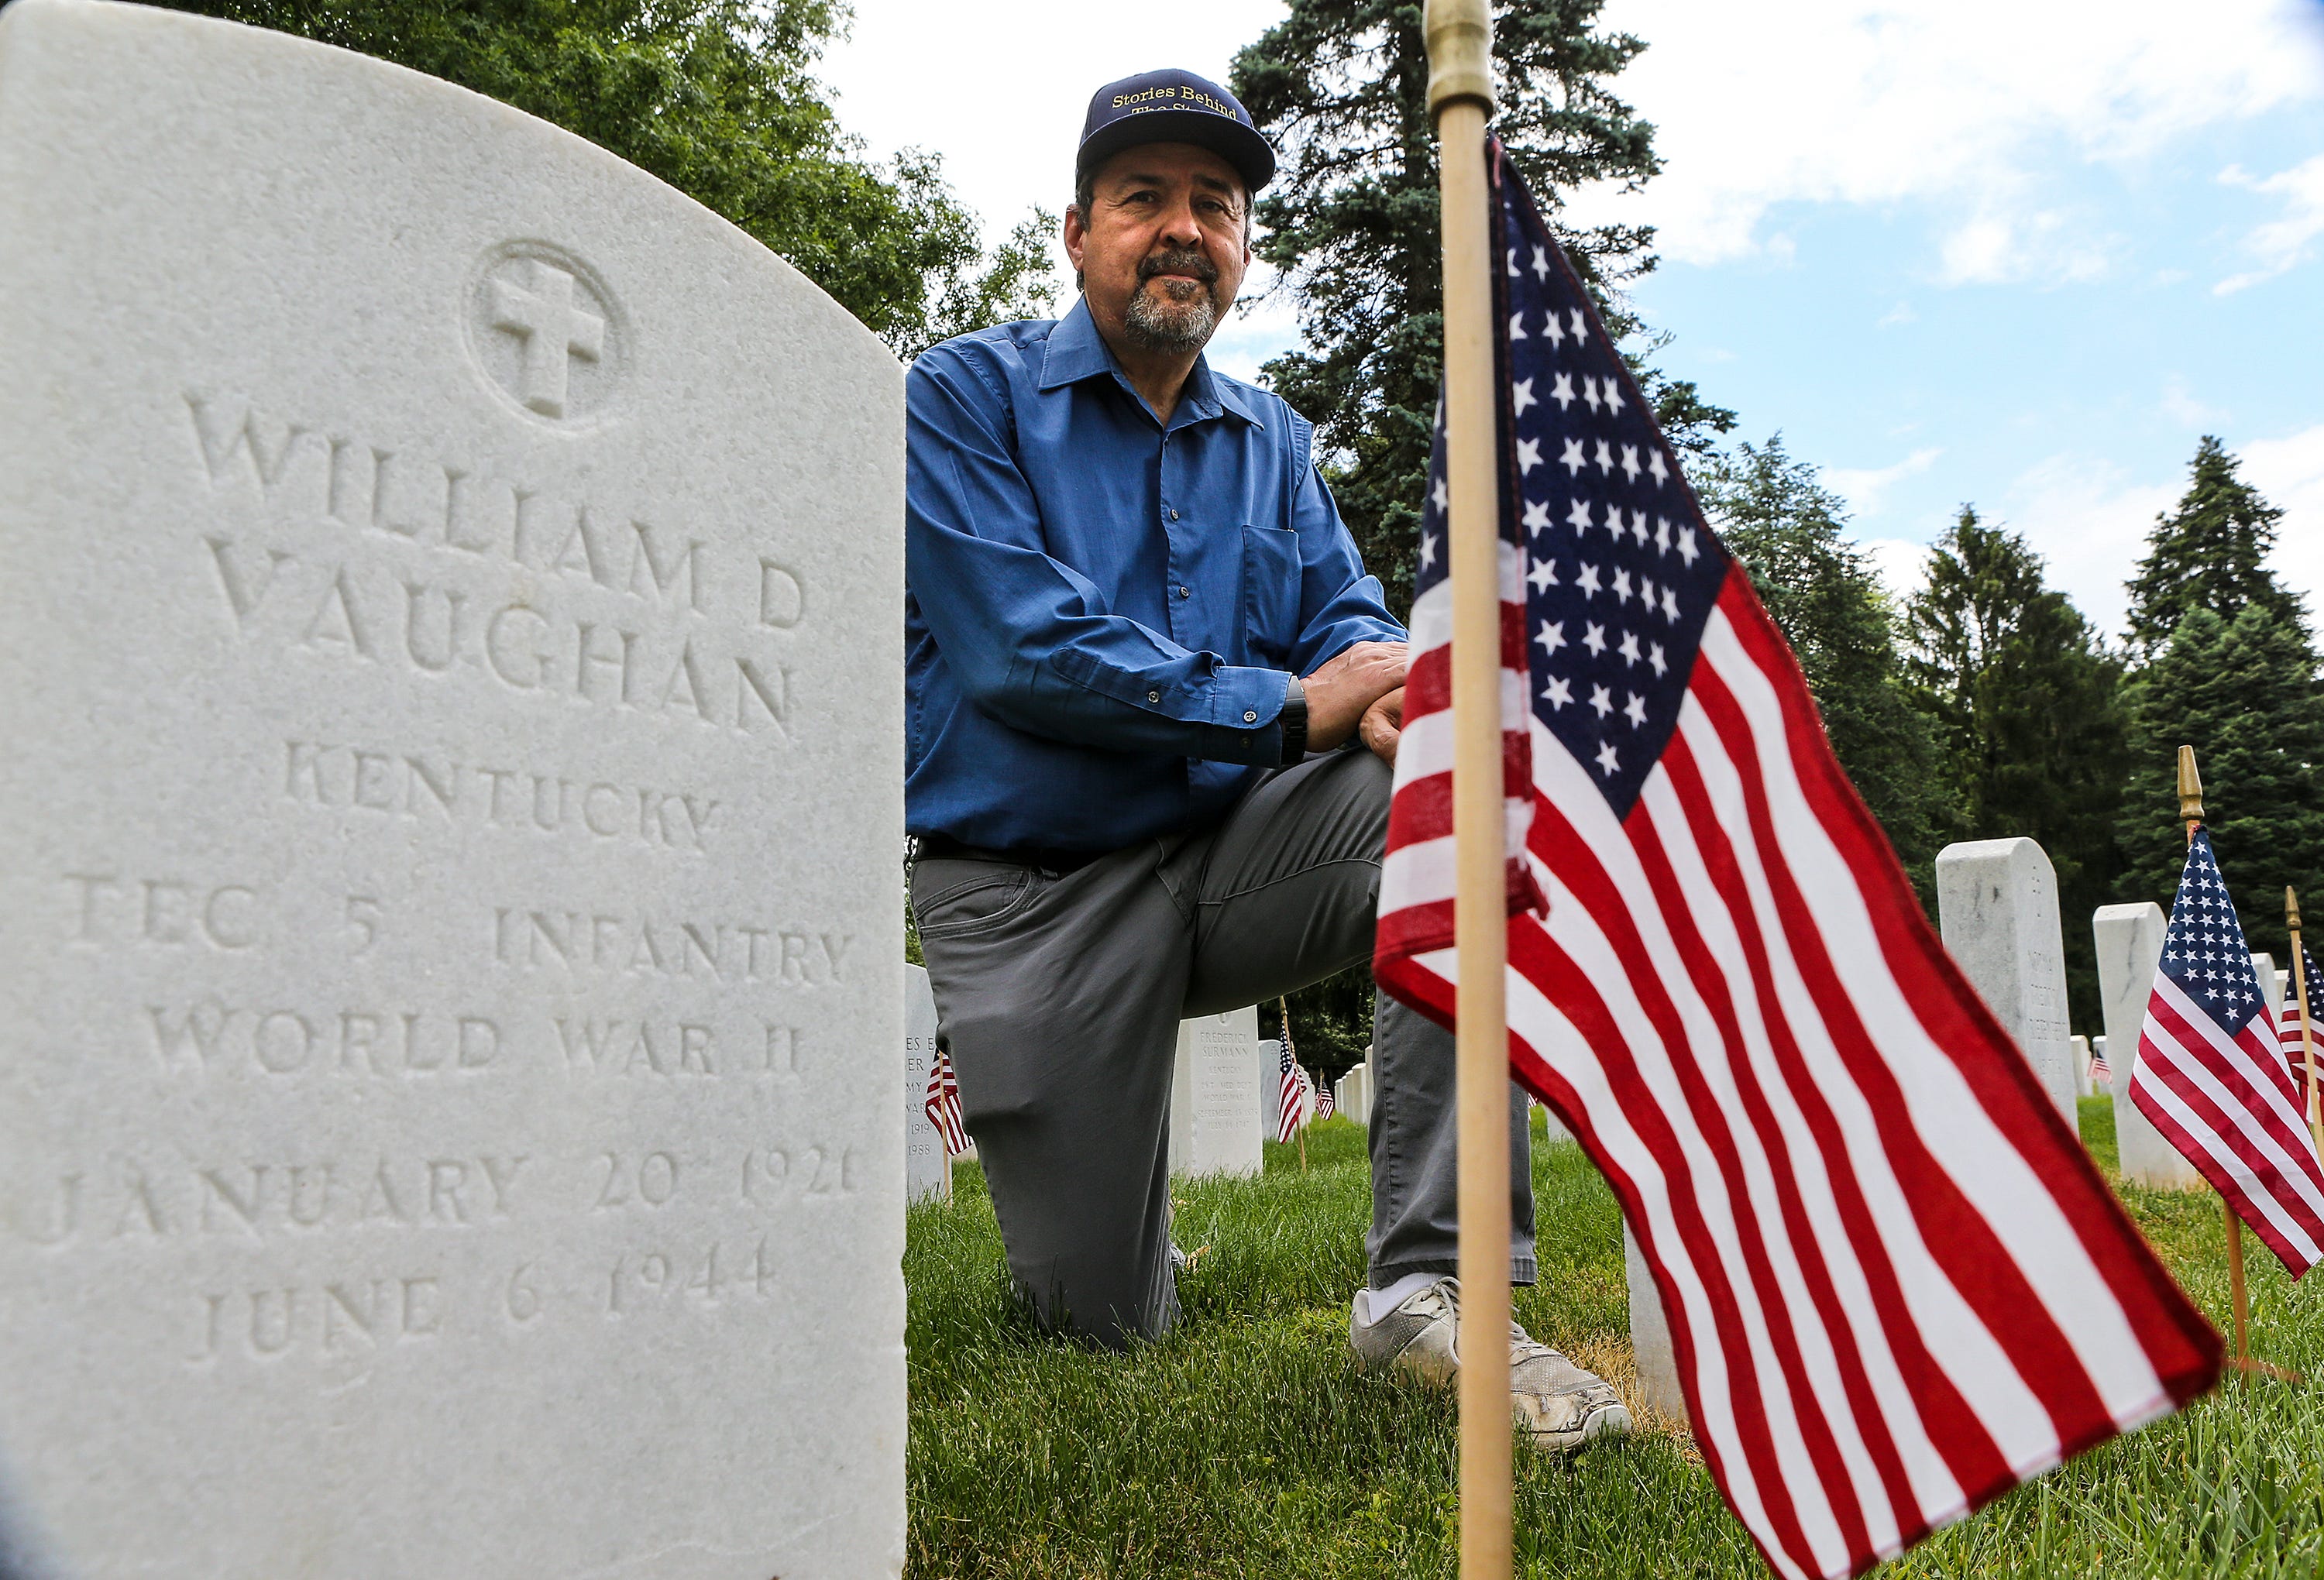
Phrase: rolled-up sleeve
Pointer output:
(1030, 639)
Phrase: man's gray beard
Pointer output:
(1173, 329)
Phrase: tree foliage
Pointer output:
(2208, 554)
(1341, 87)
(2026, 699)
(2243, 692)
(1789, 532)
(717, 97)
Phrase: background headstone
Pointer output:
(450, 948)
(1650, 1337)
(1998, 906)
(2271, 982)
(1214, 1111)
(2081, 1065)
(1270, 1086)
(1352, 1094)
(924, 1161)
(2129, 947)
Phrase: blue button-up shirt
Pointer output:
(1103, 612)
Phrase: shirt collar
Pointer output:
(1076, 350)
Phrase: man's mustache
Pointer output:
(1179, 260)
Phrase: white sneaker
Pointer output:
(1561, 1406)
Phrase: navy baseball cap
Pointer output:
(1172, 107)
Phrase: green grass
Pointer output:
(1246, 1445)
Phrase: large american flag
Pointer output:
(1896, 1285)
(2216, 1077)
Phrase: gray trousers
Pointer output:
(1058, 997)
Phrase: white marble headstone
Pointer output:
(923, 1159)
(2271, 980)
(1214, 1103)
(2081, 1065)
(450, 947)
(2129, 941)
(1997, 907)
(1650, 1336)
(1270, 1086)
(1352, 1094)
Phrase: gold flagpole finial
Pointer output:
(2191, 786)
(1459, 34)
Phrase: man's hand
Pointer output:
(1339, 693)
(1383, 724)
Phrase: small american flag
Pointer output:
(2100, 1071)
(1295, 1091)
(2214, 1075)
(1323, 1104)
(943, 1105)
(1896, 1285)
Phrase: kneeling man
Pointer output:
(1153, 700)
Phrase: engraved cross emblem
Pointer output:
(553, 328)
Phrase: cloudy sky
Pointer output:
(2022, 254)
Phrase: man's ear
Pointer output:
(1076, 234)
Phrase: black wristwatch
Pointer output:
(1295, 723)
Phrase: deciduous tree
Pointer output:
(717, 99)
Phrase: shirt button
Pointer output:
(1174, 515)
(1153, 696)
(1185, 591)
(1251, 718)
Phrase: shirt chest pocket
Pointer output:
(1270, 592)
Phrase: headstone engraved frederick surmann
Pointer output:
(450, 955)
(1214, 1095)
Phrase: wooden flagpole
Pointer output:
(1460, 98)
(2307, 1022)
(1294, 1054)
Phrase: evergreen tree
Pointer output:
(716, 97)
(1789, 531)
(2244, 693)
(2209, 554)
(1342, 86)
(2026, 699)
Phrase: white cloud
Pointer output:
(2180, 405)
(1962, 102)
(1862, 487)
(2291, 472)
(2088, 519)
(2284, 243)
(1901, 567)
